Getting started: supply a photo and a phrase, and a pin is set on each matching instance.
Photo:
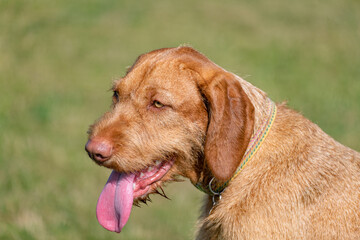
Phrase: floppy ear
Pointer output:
(231, 123)
(231, 114)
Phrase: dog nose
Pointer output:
(99, 149)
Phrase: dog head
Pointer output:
(174, 113)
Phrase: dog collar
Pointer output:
(254, 145)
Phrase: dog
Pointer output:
(267, 171)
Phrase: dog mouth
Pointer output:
(123, 190)
(147, 180)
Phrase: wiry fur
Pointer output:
(301, 184)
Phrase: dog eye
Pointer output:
(158, 104)
(116, 96)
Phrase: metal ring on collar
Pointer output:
(212, 191)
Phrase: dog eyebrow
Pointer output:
(155, 91)
(114, 84)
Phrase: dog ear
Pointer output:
(231, 123)
(231, 113)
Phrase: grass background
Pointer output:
(58, 59)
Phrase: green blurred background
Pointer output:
(59, 58)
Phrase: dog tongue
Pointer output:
(115, 202)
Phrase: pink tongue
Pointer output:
(115, 202)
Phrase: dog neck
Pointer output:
(259, 100)
(265, 112)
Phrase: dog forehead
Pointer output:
(169, 76)
(166, 74)
(171, 69)
(140, 70)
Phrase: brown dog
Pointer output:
(177, 113)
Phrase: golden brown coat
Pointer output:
(301, 184)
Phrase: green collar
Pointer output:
(254, 145)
